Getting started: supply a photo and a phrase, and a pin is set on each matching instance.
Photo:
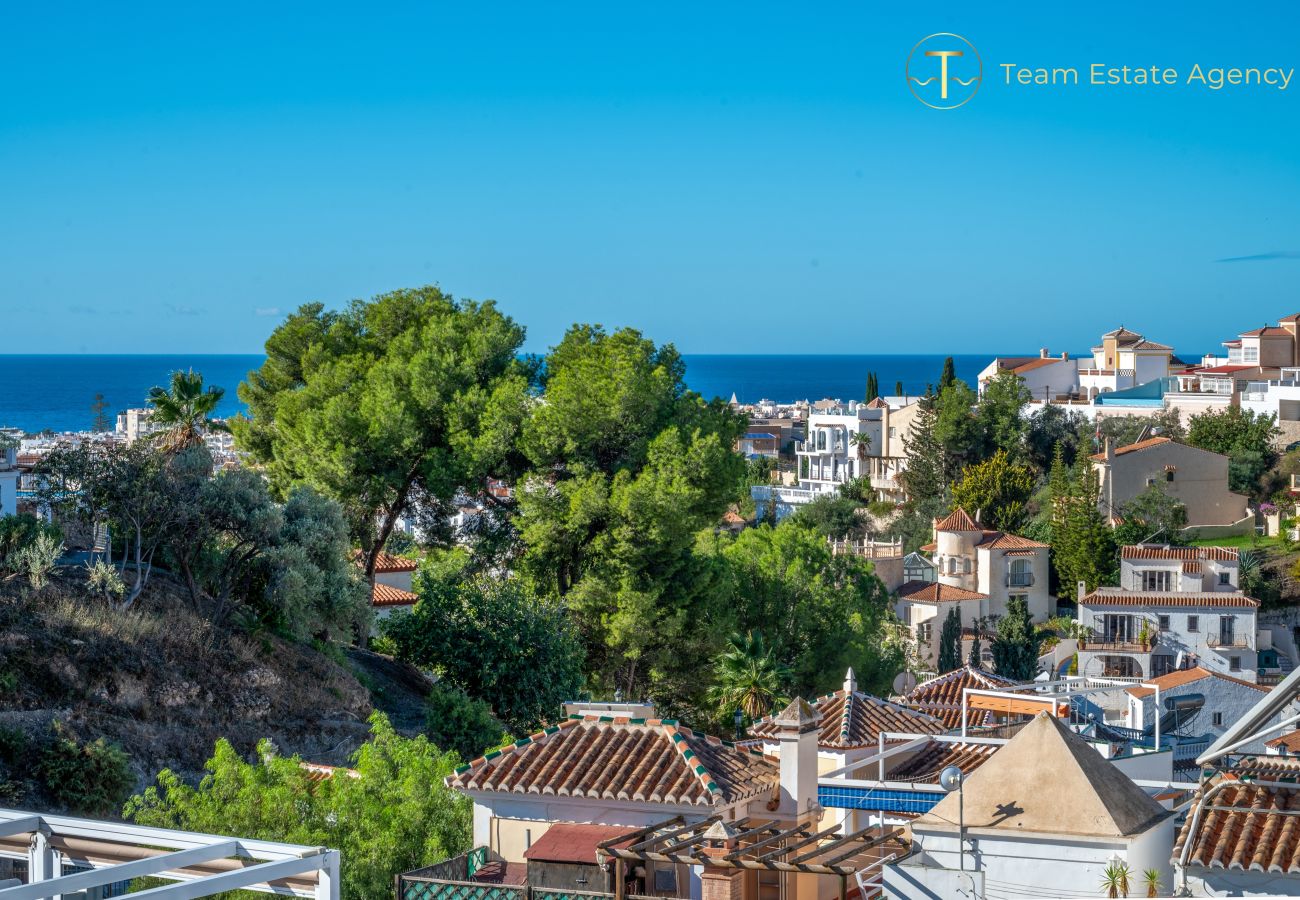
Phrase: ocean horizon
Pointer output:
(55, 391)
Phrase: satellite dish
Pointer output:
(904, 682)
(950, 779)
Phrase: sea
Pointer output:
(56, 392)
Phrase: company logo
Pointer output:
(944, 71)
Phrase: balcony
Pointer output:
(1229, 642)
(1094, 646)
(1021, 579)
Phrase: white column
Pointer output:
(327, 879)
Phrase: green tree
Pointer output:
(957, 429)
(496, 639)
(948, 376)
(184, 410)
(976, 658)
(747, 677)
(1000, 413)
(459, 722)
(834, 516)
(950, 642)
(388, 407)
(873, 388)
(819, 612)
(1016, 645)
(998, 488)
(1055, 424)
(1151, 515)
(101, 422)
(1245, 437)
(394, 816)
(924, 477)
(1083, 546)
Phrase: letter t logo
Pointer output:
(943, 70)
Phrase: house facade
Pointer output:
(1047, 378)
(976, 571)
(1196, 705)
(1176, 607)
(1194, 477)
(1124, 359)
(9, 472)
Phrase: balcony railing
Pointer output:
(1091, 645)
(1020, 579)
(1229, 641)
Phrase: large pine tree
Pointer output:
(1015, 649)
(923, 479)
(1083, 547)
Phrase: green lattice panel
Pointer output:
(449, 890)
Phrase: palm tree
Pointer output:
(1151, 878)
(183, 410)
(862, 441)
(748, 677)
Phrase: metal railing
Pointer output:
(1239, 641)
(414, 886)
(1023, 579)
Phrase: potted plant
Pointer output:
(1151, 878)
(1144, 635)
(1114, 879)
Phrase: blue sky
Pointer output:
(747, 177)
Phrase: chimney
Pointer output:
(797, 732)
(1082, 589)
(850, 682)
(1065, 355)
(1109, 451)
(1042, 353)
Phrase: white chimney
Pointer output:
(850, 682)
(798, 732)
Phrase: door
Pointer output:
(1227, 626)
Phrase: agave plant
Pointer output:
(1114, 879)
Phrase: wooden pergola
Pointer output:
(760, 845)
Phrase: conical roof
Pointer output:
(1048, 780)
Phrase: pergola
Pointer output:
(761, 845)
(199, 865)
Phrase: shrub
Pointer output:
(16, 534)
(36, 560)
(459, 722)
(103, 579)
(91, 778)
(881, 509)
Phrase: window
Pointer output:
(1218, 719)
(1234, 663)
(1150, 482)
(965, 565)
(893, 432)
(1019, 574)
(821, 439)
(1193, 624)
(1164, 623)
(1155, 580)
(1169, 475)
(923, 632)
(1225, 578)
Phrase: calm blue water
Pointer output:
(39, 392)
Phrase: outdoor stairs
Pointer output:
(101, 539)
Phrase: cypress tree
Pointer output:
(950, 642)
(976, 652)
(1015, 649)
(949, 374)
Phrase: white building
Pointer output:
(1177, 607)
(1124, 359)
(975, 571)
(9, 441)
(1198, 706)
(1047, 378)
(1046, 811)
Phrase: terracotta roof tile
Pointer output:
(850, 721)
(957, 520)
(568, 843)
(1135, 448)
(1192, 567)
(996, 540)
(387, 562)
(1116, 597)
(387, 595)
(934, 592)
(926, 765)
(1268, 331)
(1245, 827)
(1038, 364)
(941, 697)
(1188, 676)
(1290, 742)
(648, 760)
(1152, 551)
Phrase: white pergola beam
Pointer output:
(242, 878)
(154, 865)
(20, 826)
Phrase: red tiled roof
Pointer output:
(926, 765)
(1267, 331)
(1290, 742)
(851, 721)
(941, 697)
(1038, 364)
(565, 843)
(957, 520)
(1150, 551)
(1135, 448)
(1192, 567)
(1244, 827)
(1187, 676)
(387, 562)
(607, 758)
(1222, 370)
(997, 540)
(387, 595)
(934, 592)
(1114, 597)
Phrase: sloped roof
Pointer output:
(564, 842)
(1123, 336)
(609, 758)
(387, 562)
(387, 595)
(1188, 676)
(850, 720)
(924, 767)
(1135, 448)
(1048, 780)
(1246, 827)
(1289, 742)
(997, 540)
(1213, 599)
(1267, 331)
(1164, 551)
(957, 520)
(1039, 363)
(934, 592)
(941, 697)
